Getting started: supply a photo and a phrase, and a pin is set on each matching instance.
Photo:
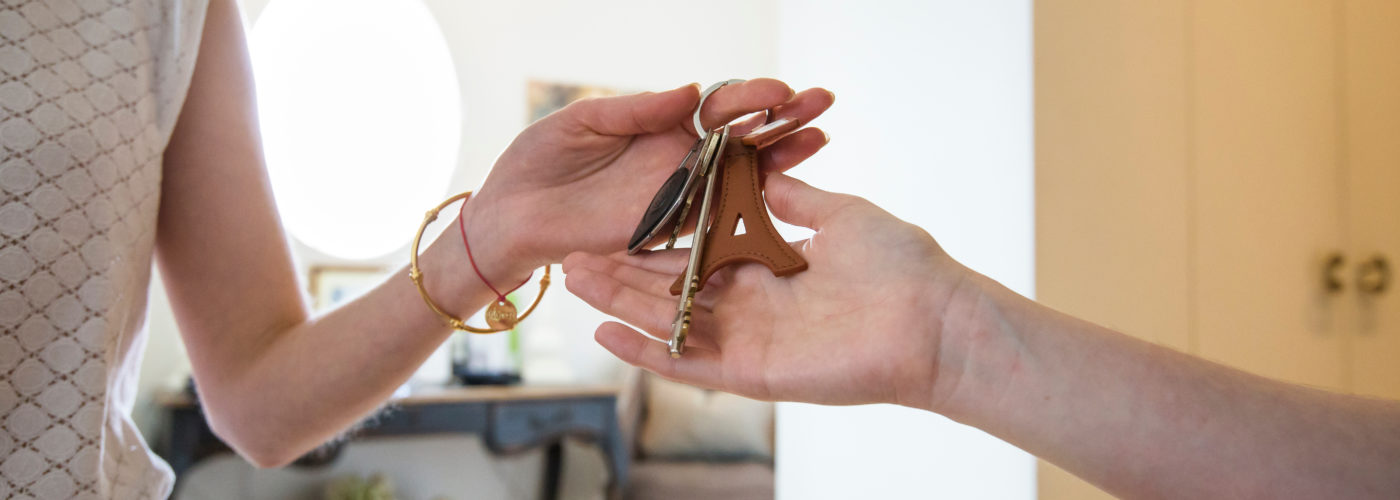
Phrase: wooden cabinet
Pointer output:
(1370, 55)
(1195, 163)
(1111, 216)
(1264, 153)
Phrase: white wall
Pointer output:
(933, 122)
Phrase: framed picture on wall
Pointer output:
(335, 285)
(547, 97)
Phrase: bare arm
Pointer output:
(883, 315)
(276, 381)
(1143, 421)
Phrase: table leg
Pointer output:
(553, 467)
(618, 456)
(185, 426)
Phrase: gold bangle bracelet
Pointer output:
(415, 274)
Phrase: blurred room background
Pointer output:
(1219, 178)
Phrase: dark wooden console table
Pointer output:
(511, 419)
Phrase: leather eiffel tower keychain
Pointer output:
(731, 173)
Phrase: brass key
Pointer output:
(716, 141)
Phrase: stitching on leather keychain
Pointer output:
(785, 260)
(759, 202)
(762, 204)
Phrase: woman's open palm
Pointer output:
(804, 337)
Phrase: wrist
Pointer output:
(495, 251)
(497, 242)
(980, 352)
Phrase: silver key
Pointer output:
(680, 328)
(672, 204)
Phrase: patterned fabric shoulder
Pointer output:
(89, 94)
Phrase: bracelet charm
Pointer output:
(501, 315)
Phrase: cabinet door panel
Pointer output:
(1371, 69)
(1111, 184)
(1267, 187)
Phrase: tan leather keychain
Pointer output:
(740, 196)
(732, 173)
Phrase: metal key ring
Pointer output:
(699, 128)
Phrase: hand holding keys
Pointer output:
(732, 170)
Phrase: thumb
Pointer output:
(643, 113)
(796, 202)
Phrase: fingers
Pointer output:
(733, 101)
(797, 203)
(657, 112)
(793, 149)
(653, 313)
(806, 105)
(666, 267)
(800, 145)
(635, 114)
(653, 282)
(614, 298)
(699, 366)
(671, 261)
(748, 124)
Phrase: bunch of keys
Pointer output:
(730, 170)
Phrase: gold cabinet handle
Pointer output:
(1373, 276)
(1330, 282)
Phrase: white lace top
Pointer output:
(89, 93)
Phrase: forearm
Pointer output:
(288, 382)
(1140, 420)
(315, 379)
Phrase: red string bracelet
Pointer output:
(501, 315)
(462, 225)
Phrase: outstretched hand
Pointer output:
(580, 179)
(862, 324)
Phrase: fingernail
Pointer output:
(832, 94)
(826, 137)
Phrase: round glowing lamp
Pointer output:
(361, 119)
